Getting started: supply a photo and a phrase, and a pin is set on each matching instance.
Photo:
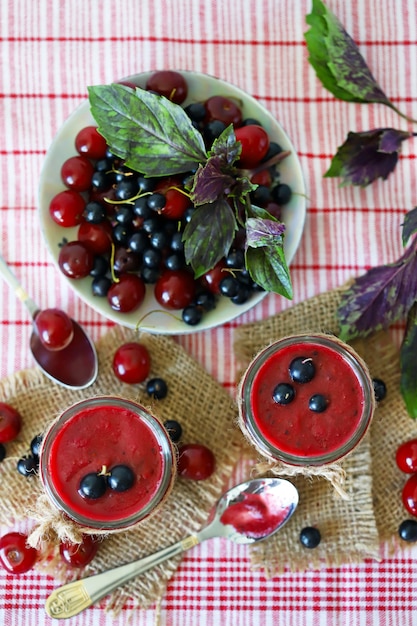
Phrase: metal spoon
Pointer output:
(249, 512)
(75, 366)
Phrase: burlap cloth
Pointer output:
(351, 529)
(207, 414)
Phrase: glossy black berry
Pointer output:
(2, 452)
(310, 537)
(127, 188)
(124, 214)
(156, 201)
(196, 111)
(235, 259)
(157, 388)
(206, 300)
(28, 465)
(94, 212)
(174, 430)
(212, 130)
(273, 150)
(35, 445)
(229, 286)
(283, 393)
(317, 403)
(380, 389)
(100, 286)
(282, 193)
(121, 478)
(408, 530)
(139, 241)
(302, 369)
(100, 266)
(192, 315)
(92, 486)
(140, 207)
(243, 293)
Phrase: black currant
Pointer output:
(281, 193)
(192, 315)
(121, 478)
(283, 393)
(100, 286)
(302, 369)
(28, 465)
(157, 388)
(229, 286)
(35, 445)
(380, 389)
(92, 486)
(2, 452)
(94, 212)
(127, 188)
(408, 530)
(100, 266)
(156, 201)
(206, 300)
(174, 430)
(317, 403)
(310, 537)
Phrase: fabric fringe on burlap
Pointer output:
(352, 529)
(207, 414)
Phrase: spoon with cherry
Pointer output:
(61, 348)
(247, 513)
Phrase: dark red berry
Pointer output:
(406, 456)
(75, 259)
(223, 110)
(211, 280)
(79, 554)
(255, 144)
(16, 556)
(10, 422)
(409, 495)
(55, 328)
(170, 84)
(132, 363)
(76, 173)
(97, 237)
(127, 294)
(90, 143)
(195, 461)
(66, 208)
(175, 289)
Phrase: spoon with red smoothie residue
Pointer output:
(247, 513)
(61, 348)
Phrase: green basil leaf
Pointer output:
(408, 381)
(409, 225)
(152, 134)
(209, 235)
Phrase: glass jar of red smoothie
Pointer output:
(95, 438)
(306, 400)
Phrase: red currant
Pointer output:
(175, 289)
(75, 259)
(132, 363)
(255, 144)
(15, 555)
(211, 279)
(223, 109)
(97, 237)
(409, 495)
(66, 208)
(10, 422)
(170, 84)
(76, 173)
(127, 294)
(55, 329)
(406, 456)
(79, 554)
(263, 178)
(90, 143)
(195, 461)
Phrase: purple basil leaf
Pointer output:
(408, 381)
(368, 155)
(261, 232)
(226, 146)
(337, 60)
(409, 225)
(380, 297)
(209, 235)
(210, 182)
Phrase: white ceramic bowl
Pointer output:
(200, 87)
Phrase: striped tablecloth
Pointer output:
(49, 52)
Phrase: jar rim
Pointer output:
(253, 433)
(158, 431)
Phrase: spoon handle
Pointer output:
(71, 599)
(12, 281)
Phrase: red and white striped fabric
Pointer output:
(50, 51)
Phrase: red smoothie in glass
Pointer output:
(292, 430)
(100, 434)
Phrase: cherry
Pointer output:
(76, 173)
(176, 202)
(66, 208)
(10, 422)
(16, 556)
(263, 178)
(406, 456)
(132, 363)
(170, 84)
(223, 110)
(195, 461)
(255, 144)
(90, 143)
(79, 554)
(211, 280)
(55, 329)
(409, 495)
(75, 259)
(127, 294)
(97, 237)
(175, 289)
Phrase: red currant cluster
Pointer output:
(130, 227)
(406, 459)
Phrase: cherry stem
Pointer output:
(140, 321)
